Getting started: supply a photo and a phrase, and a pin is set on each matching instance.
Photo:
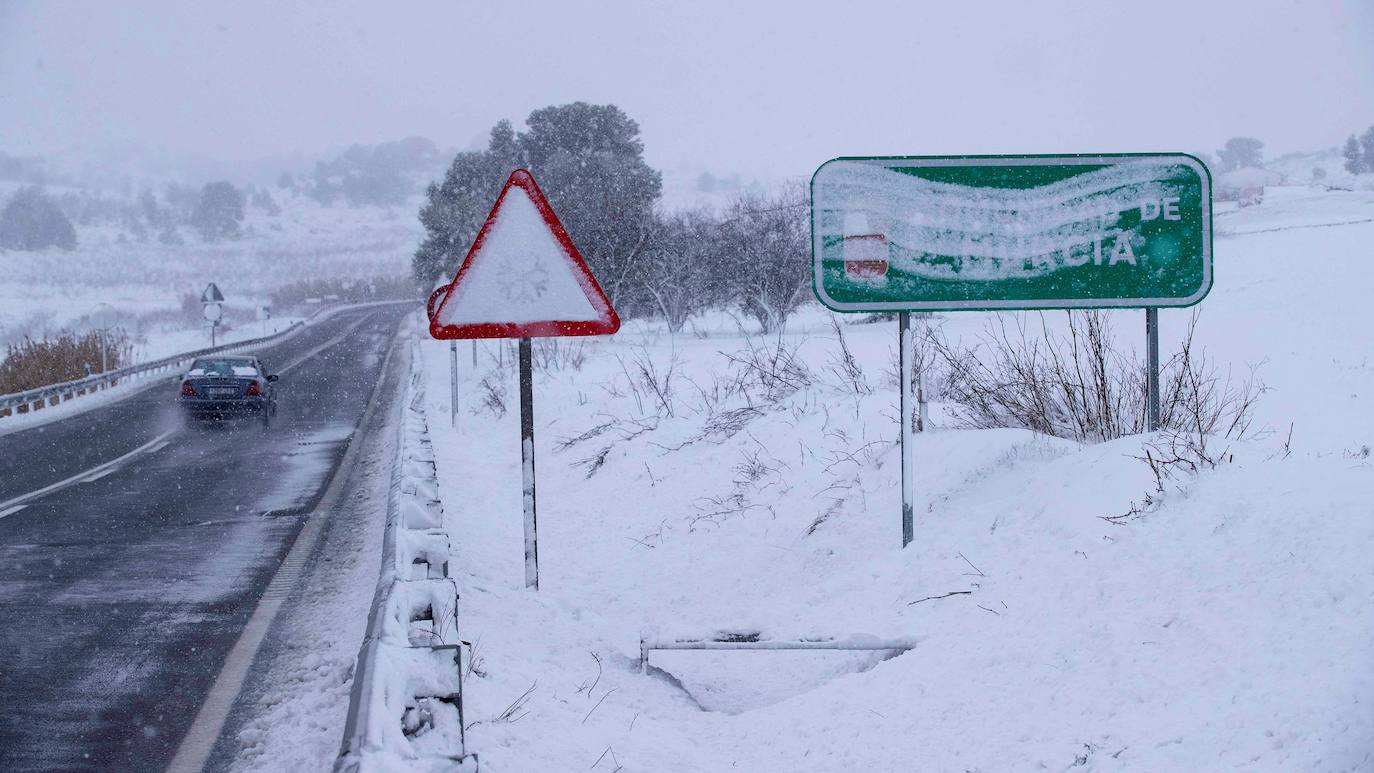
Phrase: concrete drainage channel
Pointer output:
(406, 708)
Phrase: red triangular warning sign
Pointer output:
(522, 278)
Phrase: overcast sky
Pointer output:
(768, 89)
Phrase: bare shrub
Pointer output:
(770, 366)
(29, 364)
(1173, 457)
(493, 394)
(554, 354)
(651, 382)
(724, 386)
(1081, 385)
(846, 369)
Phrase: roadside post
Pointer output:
(212, 308)
(1001, 233)
(264, 314)
(1152, 366)
(453, 383)
(905, 357)
(523, 278)
(430, 306)
(103, 319)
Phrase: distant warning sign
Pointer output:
(522, 278)
(1000, 232)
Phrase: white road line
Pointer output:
(200, 740)
(94, 472)
(101, 474)
(12, 510)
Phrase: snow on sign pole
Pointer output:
(986, 233)
(523, 278)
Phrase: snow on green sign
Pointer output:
(1023, 232)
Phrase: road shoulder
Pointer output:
(290, 713)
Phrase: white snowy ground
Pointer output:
(54, 289)
(1233, 628)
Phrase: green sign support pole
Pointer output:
(1152, 365)
(905, 357)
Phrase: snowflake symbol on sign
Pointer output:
(523, 284)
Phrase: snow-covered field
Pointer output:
(145, 281)
(1230, 628)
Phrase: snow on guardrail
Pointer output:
(406, 707)
(39, 398)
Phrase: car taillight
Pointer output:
(187, 390)
(253, 389)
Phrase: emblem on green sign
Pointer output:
(999, 232)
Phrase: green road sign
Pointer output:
(1011, 232)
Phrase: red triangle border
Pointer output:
(607, 325)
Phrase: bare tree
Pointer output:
(678, 266)
(764, 244)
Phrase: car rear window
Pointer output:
(222, 368)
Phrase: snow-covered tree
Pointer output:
(1354, 157)
(764, 249)
(1241, 152)
(1367, 150)
(262, 199)
(152, 212)
(218, 212)
(33, 221)
(679, 266)
(457, 206)
(588, 160)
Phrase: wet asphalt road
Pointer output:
(121, 595)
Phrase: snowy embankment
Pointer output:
(1229, 628)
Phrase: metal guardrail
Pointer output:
(406, 705)
(38, 398)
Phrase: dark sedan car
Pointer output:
(221, 387)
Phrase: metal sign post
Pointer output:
(987, 233)
(453, 383)
(527, 463)
(908, 438)
(1152, 366)
(103, 319)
